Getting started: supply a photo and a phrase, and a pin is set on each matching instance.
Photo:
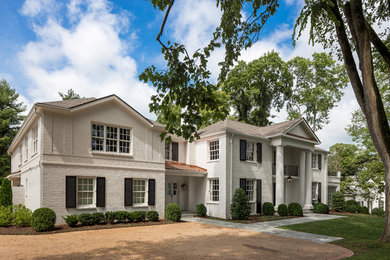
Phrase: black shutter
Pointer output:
(128, 192)
(100, 192)
(70, 191)
(243, 184)
(319, 161)
(258, 196)
(274, 193)
(242, 150)
(319, 192)
(259, 152)
(175, 151)
(152, 192)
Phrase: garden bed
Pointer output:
(15, 230)
(253, 219)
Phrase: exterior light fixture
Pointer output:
(289, 179)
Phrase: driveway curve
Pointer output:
(173, 241)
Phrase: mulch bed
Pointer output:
(253, 219)
(14, 230)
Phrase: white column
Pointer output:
(309, 179)
(279, 176)
(325, 184)
(302, 178)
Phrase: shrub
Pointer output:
(5, 193)
(363, 210)
(240, 208)
(352, 202)
(131, 216)
(99, 218)
(5, 216)
(378, 212)
(43, 219)
(352, 208)
(122, 216)
(295, 209)
(22, 216)
(110, 216)
(338, 202)
(173, 212)
(282, 210)
(71, 220)
(268, 209)
(86, 219)
(321, 208)
(152, 215)
(201, 210)
(140, 216)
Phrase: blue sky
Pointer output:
(99, 47)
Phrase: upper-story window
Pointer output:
(26, 149)
(250, 151)
(214, 150)
(110, 139)
(35, 140)
(20, 156)
(167, 151)
(172, 151)
(316, 161)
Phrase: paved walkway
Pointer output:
(271, 227)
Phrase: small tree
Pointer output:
(338, 202)
(5, 193)
(240, 208)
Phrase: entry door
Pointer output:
(172, 192)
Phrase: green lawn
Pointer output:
(360, 233)
(253, 219)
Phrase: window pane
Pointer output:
(85, 191)
(214, 150)
(167, 147)
(250, 148)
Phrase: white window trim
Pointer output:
(209, 200)
(254, 152)
(117, 153)
(34, 138)
(315, 165)
(170, 151)
(254, 189)
(145, 204)
(208, 150)
(90, 206)
(25, 148)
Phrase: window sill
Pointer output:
(86, 207)
(140, 205)
(212, 202)
(211, 161)
(254, 162)
(112, 154)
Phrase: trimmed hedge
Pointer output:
(295, 209)
(110, 217)
(364, 210)
(140, 216)
(201, 210)
(43, 219)
(99, 218)
(86, 219)
(338, 202)
(240, 208)
(378, 212)
(71, 220)
(282, 210)
(352, 208)
(321, 208)
(152, 215)
(173, 212)
(268, 209)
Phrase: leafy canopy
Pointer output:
(69, 95)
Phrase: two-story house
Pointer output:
(97, 155)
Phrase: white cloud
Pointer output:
(88, 55)
(34, 8)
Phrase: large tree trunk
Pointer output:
(365, 88)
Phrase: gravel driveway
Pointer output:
(173, 241)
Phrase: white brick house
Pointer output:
(97, 155)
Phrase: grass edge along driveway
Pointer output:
(360, 233)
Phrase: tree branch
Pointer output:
(379, 44)
(163, 24)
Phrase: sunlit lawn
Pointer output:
(360, 233)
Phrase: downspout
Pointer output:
(231, 171)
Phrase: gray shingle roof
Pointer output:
(68, 103)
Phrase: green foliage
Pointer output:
(378, 212)
(43, 219)
(201, 210)
(338, 202)
(321, 208)
(268, 209)
(71, 220)
(282, 210)
(352, 202)
(122, 216)
(343, 158)
(240, 208)
(173, 212)
(69, 95)
(152, 215)
(5, 193)
(87, 219)
(258, 86)
(99, 218)
(351, 208)
(318, 87)
(364, 210)
(295, 209)
(110, 217)
(6, 216)
(10, 120)
(140, 216)
(22, 216)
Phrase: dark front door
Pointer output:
(258, 196)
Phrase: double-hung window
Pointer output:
(250, 151)
(85, 192)
(26, 149)
(314, 161)
(111, 139)
(35, 140)
(214, 190)
(167, 151)
(214, 150)
(250, 190)
(139, 192)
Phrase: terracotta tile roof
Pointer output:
(248, 129)
(68, 103)
(169, 165)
